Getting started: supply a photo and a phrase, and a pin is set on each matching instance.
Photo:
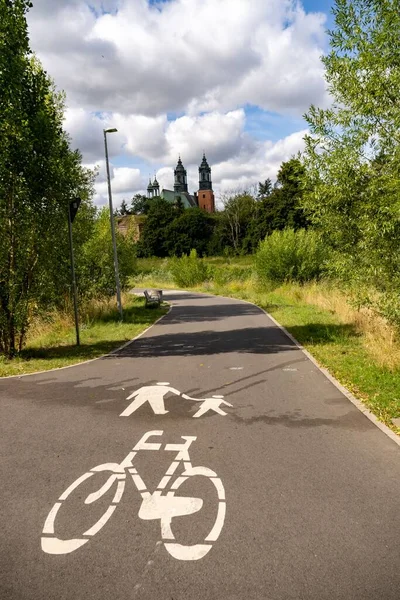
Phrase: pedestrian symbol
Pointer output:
(155, 395)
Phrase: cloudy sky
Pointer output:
(230, 77)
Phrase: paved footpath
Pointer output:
(292, 494)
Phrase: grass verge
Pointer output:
(357, 348)
(52, 343)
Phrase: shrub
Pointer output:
(189, 270)
(290, 255)
(97, 275)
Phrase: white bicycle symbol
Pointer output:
(154, 505)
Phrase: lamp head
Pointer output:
(112, 130)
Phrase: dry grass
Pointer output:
(379, 338)
(51, 342)
(55, 322)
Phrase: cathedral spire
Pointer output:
(205, 182)
(156, 186)
(150, 189)
(180, 184)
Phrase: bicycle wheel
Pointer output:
(50, 543)
(196, 551)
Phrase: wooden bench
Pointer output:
(153, 297)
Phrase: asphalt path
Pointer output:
(298, 497)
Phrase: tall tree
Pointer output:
(281, 208)
(139, 204)
(264, 189)
(39, 175)
(153, 240)
(123, 209)
(353, 152)
(240, 210)
(191, 230)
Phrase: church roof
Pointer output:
(171, 196)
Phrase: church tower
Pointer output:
(156, 187)
(180, 184)
(205, 195)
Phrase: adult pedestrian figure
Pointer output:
(154, 395)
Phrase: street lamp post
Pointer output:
(117, 284)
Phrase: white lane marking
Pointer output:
(74, 485)
(54, 545)
(155, 507)
(220, 488)
(166, 531)
(143, 444)
(219, 523)
(196, 552)
(182, 449)
(236, 368)
(101, 522)
(163, 483)
(187, 552)
(104, 488)
(153, 394)
(140, 484)
(172, 467)
(49, 523)
(105, 401)
(199, 471)
(119, 492)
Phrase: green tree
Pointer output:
(179, 206)
(39, 175)
(281, 208)
(139, 204)
(264, 189)
(153, 240)
(96, 275)
(237, 220)
(191, 230)
(124, 209)
(353, 152)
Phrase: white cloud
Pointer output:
(184, 55)
(157, 140)
(86, 131)
(144, 136)
(125, 182)
(248, 168)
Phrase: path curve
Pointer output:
(312, 486)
